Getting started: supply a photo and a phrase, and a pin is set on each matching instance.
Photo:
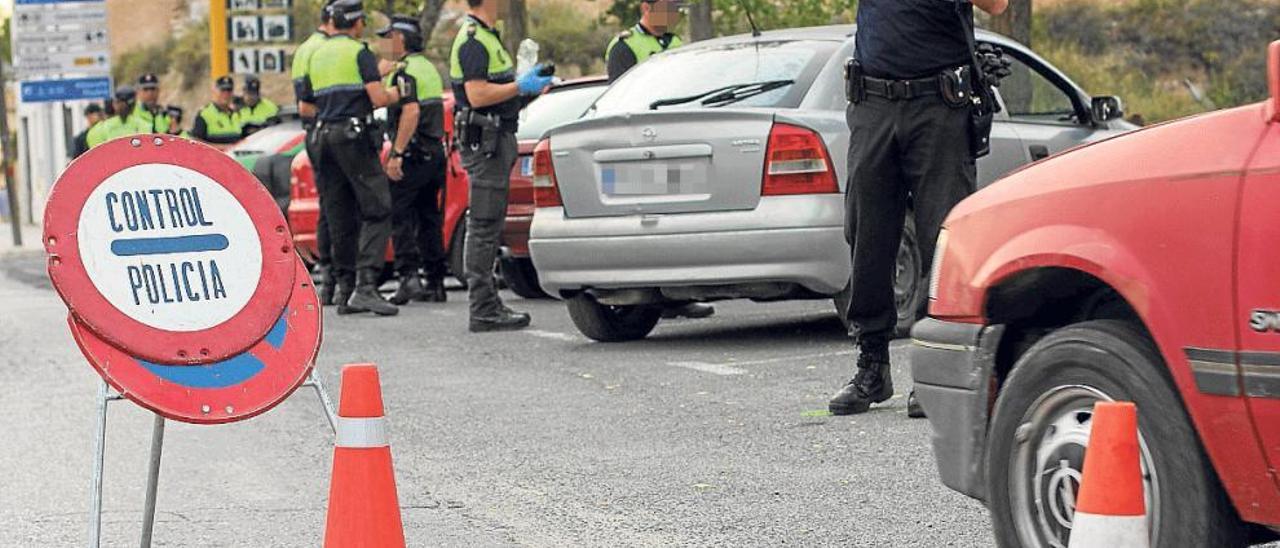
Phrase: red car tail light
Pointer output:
(797, 162)
(546, 191)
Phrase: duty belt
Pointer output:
(901, 90)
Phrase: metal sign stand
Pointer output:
(105, 396)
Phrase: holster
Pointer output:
(477, 132)
(855, 88)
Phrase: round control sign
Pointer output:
(168, 250)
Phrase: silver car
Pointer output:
(717, 171)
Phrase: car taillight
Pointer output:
(546, 192)
(797, 162)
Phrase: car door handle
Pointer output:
(1038, 152)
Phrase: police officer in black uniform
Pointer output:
(416, 164)
(489, 97)
(343, 78)
(911, 111)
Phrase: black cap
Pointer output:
(126, 94)
(401, 23)
(93, 108)
(226, 83)
(252, 84)
(345, 13)
(148, 81)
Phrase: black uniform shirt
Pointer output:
(908, 39)
(348, 101)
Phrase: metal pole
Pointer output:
(11, 186)
(219, 59)
(99, 451)
(314, 382)
(153, 480)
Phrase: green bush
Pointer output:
(154, 59)
(568, 36)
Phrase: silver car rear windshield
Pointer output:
(696, 70)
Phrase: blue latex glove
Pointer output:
(530, 83)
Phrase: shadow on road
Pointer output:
(25, 268)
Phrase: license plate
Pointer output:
(526, 166)
(652, 179)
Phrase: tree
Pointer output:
(517, 25)
(429, 18)
(1015, 22)
(700, 24)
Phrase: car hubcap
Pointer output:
(906, 276)
(1048, 457)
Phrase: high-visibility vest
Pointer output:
(219, 124)
(642, 44)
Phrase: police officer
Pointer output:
(343, 77)
(307, 111)
(416, 164)
(148, 111)
(257, 111)
(216, 123)
(647, 38)
(92, 115)
(121, 124)
(910, 114)
(489, 97)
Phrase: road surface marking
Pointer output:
(713, 368)
(552, 335)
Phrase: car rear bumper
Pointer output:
(796, 240)
(515, 235)
(951, 366)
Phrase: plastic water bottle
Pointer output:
(527, 55)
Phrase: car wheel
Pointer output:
(457, 248)
(521, 277)
(606, 323)
(909, 285)
(1040, 430)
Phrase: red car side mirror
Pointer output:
(1273, 81)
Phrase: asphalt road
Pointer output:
(711, 432)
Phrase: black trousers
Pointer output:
(417, 216)
(324, 247)
(912, 153)
(357, 202)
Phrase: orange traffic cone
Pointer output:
(364, 510)
(1110, 512)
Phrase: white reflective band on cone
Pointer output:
(362, 432)
(1097, 531)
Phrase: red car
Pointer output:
(304, 209)
(1140, 268)
(563, 103)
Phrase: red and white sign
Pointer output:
(183, 286)
(168, 250)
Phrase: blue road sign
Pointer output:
(43, 91)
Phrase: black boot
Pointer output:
(914, 410)
(410, 290)
(872, 384)
(340, 297)
(693, 311)
(435, 291)
(505, 320)
(367, 299)
(327, 285)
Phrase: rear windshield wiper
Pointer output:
(721, 94)
(733, 96)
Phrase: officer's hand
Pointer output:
(993, 63)
(395, 168)
(532, 82)
(386, 66)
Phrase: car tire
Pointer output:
(457, 250)
(609, 324)
(521, 277)
(910, 288)
(1042, 416)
